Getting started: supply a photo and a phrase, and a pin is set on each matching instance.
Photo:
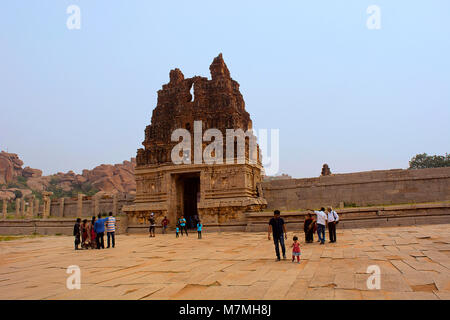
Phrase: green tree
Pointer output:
(422, 161)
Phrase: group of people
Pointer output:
(180, 227)
(91, 234)
(324, 217)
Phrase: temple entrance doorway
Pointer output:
(188, 196)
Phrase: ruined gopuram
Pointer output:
(219, 191)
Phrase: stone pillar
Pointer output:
(47, 203)
(22, 207)
(61, 207)
(80, 205)
(36, 208)
(17, 207)
(5, 208)
(30, 208)
(115, 204)
(96, 200)
(44, 213)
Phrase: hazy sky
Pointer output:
(341, 94)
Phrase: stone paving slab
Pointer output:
(414, 263)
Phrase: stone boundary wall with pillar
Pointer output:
(367, 217)
(380, 216)
(84, 206)
(88, 206)
(381, 187)
(49, 226)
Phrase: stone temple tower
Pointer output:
(217, 193)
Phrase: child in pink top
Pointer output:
(296, 249)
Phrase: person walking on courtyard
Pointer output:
(278, 229)
(99, 228)
(333, 220)
(84, 234)
(182, 222)
(93, 235)
(76, 233)
(296, 249)
(164, 224)
(309, 228)
(152, 225)
(321, 223)
(199, 229)
(177, 230)
(111, 230)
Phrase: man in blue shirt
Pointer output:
(182, 222)
(99, 228)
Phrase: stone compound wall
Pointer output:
(49, 226)
(361, 189)
(69, 208)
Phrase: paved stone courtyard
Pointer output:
(414, 263)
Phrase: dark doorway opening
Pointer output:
(188, 194)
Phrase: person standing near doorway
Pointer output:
(278, 229)
(182, 222)
(199, 229)
(333, 220)
(164, 224)
(152, 225)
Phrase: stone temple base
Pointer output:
(214, 193)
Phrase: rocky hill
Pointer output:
(16, 180)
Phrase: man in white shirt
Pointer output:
(333, 219)
(321, 222)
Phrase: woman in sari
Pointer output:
(84, 234)
(92, 234)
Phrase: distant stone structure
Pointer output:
(217, 193)
(325, 170)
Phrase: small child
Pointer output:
(177, 230)
(296, 249)
(199, 229)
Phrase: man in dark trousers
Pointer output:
(99, 228)
(77, 233)
(278, 228)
